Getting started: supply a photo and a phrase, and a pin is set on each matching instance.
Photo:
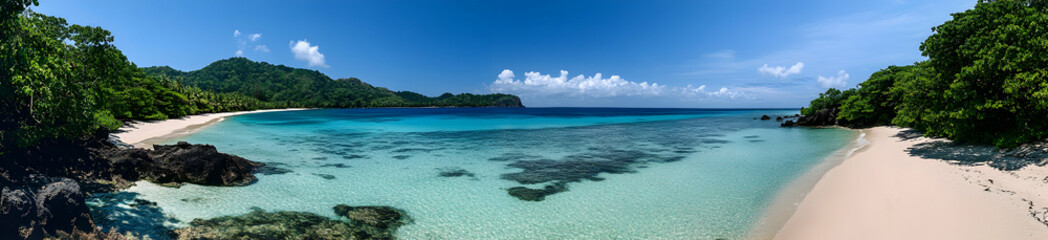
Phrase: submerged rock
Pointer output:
(336, 165)
(765, 117)
(325, 176)
(528, 194)
(381, 217)
(455, 172)
(575, 168)
(514, 157)
(125, 213)
(569, 171)
(268, 169)
(275, 225)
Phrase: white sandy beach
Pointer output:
(139, 134)
(882, 192)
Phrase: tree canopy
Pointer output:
(985, 80)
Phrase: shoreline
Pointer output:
(145, 134)
(883, 192)
(785, 202)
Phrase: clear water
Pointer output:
(730, 168)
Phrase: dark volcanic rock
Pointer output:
(765, 117)
(17, 213)
(779, 118)
(60, 206)
(823, 117)
(45, 206)
(376, 216)
(184, 162)
(528, 194)
(202, 164)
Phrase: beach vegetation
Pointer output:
(985, 80)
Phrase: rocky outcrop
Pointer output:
(823, 117)
(183, 163)
(765, 117)
(43, 187)
(43, 207)
(381, 217)
(372, 222)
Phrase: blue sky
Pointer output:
(647, 53)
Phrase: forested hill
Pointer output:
(296, 87)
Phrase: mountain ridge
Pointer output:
(298, 87)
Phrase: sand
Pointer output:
(882, 192)
(144, 134)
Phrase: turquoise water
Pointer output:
(663, 173)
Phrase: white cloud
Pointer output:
(834, 81)
(236, 33)
(255, 37)
(262, 48)
(240, 52)
(309, 53)
(536, 84)
(780, 71)
(506, 77)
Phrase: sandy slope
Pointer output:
(139, 134)
(882, 192)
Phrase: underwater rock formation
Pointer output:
(455, 172)
(369, 222)
(381, 217)
(528, 194)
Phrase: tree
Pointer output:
(876, 100)
(991, 63)
(831, 99)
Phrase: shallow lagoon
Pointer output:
(659, 173)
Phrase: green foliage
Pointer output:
(295, 87)
(985, 81)
(876, 100)
(66, 81)
(831, 99)
(991, 66)
(46, 92)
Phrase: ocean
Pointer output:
(620, 173)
